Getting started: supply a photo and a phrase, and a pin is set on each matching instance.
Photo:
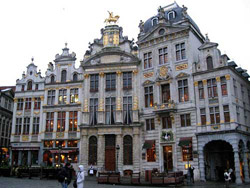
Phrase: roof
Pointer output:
(2, 88)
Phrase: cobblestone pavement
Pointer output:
(11, 182)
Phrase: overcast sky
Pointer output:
(40, 28)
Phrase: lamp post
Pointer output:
(59, 160)
(117, 156)
(188, 172)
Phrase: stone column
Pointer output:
(56, 96)
(135, 117)
(100, 118)
(45, 96)
(84, 149)
(101, 153)
(14, 118)
(222, 120)
(120, 156)
(237, 164)
(197, 99)
(67, 124)
(201, 161)
(246, 172)
(206, 102)
(86, 99)
(136, 149)
(29, 158)
(68, 95)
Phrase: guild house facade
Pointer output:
(168, 101)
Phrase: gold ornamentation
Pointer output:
(42, 98)
(101, 74)
(232, 121)
(218, 79)
(19, 113)
(116, 39)
(33, 99)
(207, 123)
(163, 71)
(222, 121)
(60, 135)
(135, 71)
(101, 105)
(216, 127)
(37, 112)
(86, 105)
(25, 138)
(118, 107)
(227, 77)
(196, 83)
(135, 103)
(204, 82)
(69, 64)
(118, 73)
(67, 80)
(86, 76)
(148, 75)
(15, 100)
(67, 87)
(58, 65)
(158, 83)
(181, 67)
(105, 39)
(111, 18)
(199, 124)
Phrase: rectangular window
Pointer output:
(37, 103)
(72, 143)
(166, 122)
(238, 113)
(223, 82)
(187, 153)
(127, 80)
(110, 110)
(74, 95)
(214, 115)
(51, 97)
(19, 104)
(23, 87)
(183, 90)
(245, 116)
(94, 82)
(35, 129)
(235, 88)
(180, 51)
(73, 121)
(27, 103)
(212, 88)
(151, 155)
(49, 121)
(18, 126)
(165, 93)
(26, 125)
(93, 108)
(48, 144)
(201, 90)
(62, 98)
(150, 124)
(185, 120)
(36, 87)
(127, 110)
(242, 92)
(149, 97)
(163, 56)
(110, 82)
(61, 121)
(147, 60)
(226, 113)
(203, 116)
(60, 143)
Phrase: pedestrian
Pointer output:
(192, 173)
(227, 178)
(80, 177)
(65, 176)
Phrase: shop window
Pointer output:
(60, 143)
(72, 143)
(92, 150)
(187, 153)
(151, 155)
(48, 144)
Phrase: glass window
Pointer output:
(37, 103)
(212, 88)
(73, 121)
(201, 90)
(127, 110)
(18, 126)
(183, 90)
(52, 79)
(61, 121)
(148, 63)
(72, 143)
(35, 129)
(93, 108)
(166, 122)
(127, 80)
(235, 88)
(63, 76)
(27, 103)
(92, 150)
(29, 85)
(151, 155)
(110, 81)
(48, 143)
(94, 82)
(149, 98)
(185, 120)
(187, 153)
(19, 104)
(127, 150)
(62, 98)
(226, 113)
(210, 65)
(49, 121)
(26, 125)
(51, 97)
(60, 143)
(110, 110)
(75, 77)
(203, 116)
(150, 124)
(214, 115)
(180, 51)
(74, 95)
(223, 82)
(163, 56)
(238, 113)
(165, 93)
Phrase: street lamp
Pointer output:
(117, 156)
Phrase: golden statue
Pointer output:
(112, 18)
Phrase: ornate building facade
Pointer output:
(170, 101)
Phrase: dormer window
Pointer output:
(52, 79)
(210, 65)
(154, 21)
(64, 76)
(29, 86)
(171, 15)
(30, 72)
(75, 77)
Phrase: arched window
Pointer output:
(154, 21)
(92, 150)
(52, 79)
(127, 150)
(64, 76)
(210, 63)
(171, 15)
(29, 86)
(75, 77)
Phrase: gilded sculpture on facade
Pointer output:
(111, 18)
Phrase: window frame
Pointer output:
(151, 154)
(127, 110)
(149, 96)
(147, 60)
(165, 93)
(63, 75)
(61, 121)
(127, 80)
(223, 82)
(28, 103)
(180, 51)
(110, 81)
(35, 128)
(127, 150)
(166, 122)
(110, 111)
(74, 95)
(94, 82)
(49, 122)
(182, 89)
(212, 88)
(226, 112)
(163, 55)
(51, 97)
(26, 125)
(185, 120)
(203, 116)
(73, 120)
(201, 90)
(214, 115)
(62, 96)
(93, 153)
(150, 124)
(93, 111)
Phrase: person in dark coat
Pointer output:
(66, 172)
(192, 173)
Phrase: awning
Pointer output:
(148, 144)
(185, 142)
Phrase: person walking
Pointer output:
(227, 178)
(192, 174)
(80, 177)
(65, 176)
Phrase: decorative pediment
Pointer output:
(148, 82)
(182, 75)
(208, 45)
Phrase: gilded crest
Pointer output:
(163, 71)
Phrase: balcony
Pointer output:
(165, 107)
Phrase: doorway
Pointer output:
(168, 158)
(110, 160)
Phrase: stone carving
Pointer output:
(95, 61)
(111, 18)
(125, 59)
(141, 26)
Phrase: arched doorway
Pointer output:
(218, 156)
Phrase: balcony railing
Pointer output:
(165, 107)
